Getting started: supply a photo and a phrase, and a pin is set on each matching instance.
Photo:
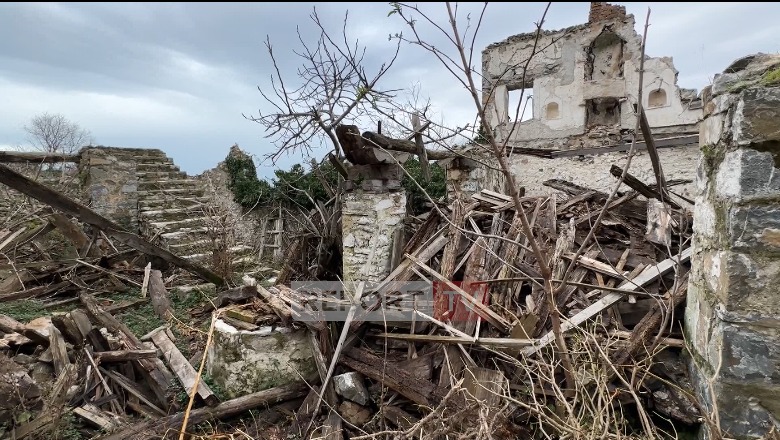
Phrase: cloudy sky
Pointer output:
(179, 76)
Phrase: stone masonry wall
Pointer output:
(469, 177)
(601, 11)
(111, 183)
(733, 308)
(369, 221)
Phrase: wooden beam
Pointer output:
(62, 203)
(34, 156)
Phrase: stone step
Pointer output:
(191, 247)
(147, 159)
(158, 203)
(166, 184)
(146, 167)
(236, 252)
(170, 214)
(175, 225)
(175, 192)
(144, 176)
(185, 235)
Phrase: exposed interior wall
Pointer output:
(592, 171)
(111, 183)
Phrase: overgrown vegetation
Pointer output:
(299, 187)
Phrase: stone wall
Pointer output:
(733, 308)
(600, 11)
(468, 177)
(111, 183)
(592, 170)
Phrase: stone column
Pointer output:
(111, 184)
(733, 310)
(372, 214)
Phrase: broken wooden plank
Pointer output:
(388, 374)
(281, 309)
(59, 351)
(105, 357)
(97, 417)
(440, 339)
(68, 206)
(37, 157)
(648, 275)
(182, 368)
(159, 295)
(10, 325)
(158, 376)
(480, 309)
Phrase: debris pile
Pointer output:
(465, 336)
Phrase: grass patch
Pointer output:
(24, 310)
(771, 78)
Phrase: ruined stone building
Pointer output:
(582, 83)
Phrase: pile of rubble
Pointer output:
(478, 347)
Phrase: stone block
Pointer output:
(744, 173)
(351, 386)
(750, 354)
(745, 410)
(755, 229)
(747, 285)
(243, 362)
(757, 115)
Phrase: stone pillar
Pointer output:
(110, 184)
(733, 310)
(372, 215)
(467, 177)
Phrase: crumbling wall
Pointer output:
(110, 183)
(467, 177)
(593, 172)
(733, 309)
(584, 73)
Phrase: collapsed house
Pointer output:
(582, 83)
(692, 308)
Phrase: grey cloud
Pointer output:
(180, 75)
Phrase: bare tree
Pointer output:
(55, 134)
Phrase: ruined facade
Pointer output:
(582, 84)
(733, 305)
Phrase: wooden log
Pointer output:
(182, 368)
(404, 146)
(640, 187)
(159, 295)
(106, 357)
(73, 233)
(148, 429)
(84, 214)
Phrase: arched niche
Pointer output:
(657, 98)
(552, 111)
